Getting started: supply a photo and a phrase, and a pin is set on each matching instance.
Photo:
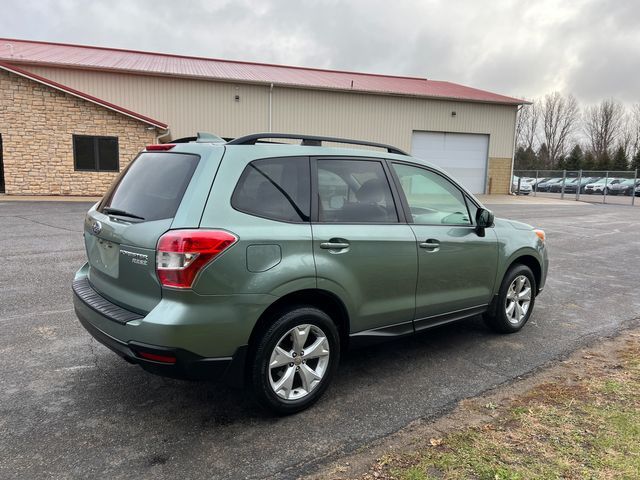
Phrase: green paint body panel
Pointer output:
(383, 278)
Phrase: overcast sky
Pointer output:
(515, 47)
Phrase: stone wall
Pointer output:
(499, 175)
(37, 123)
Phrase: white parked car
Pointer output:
(600, 185)
(523, 189)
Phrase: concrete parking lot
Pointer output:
(69, 408)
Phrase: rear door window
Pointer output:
(152, 187)
(354, 191)
(275, 188)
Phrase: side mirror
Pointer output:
(484, 218)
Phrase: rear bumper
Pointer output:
(187, 365)
(95, 312)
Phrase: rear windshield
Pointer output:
(152, 187)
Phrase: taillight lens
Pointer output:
(183, 253)
(160, 146)
(540, 233)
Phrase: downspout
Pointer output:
(159, 136)
(270, 106)
(513, 155)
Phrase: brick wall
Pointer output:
(37, 123)
(499, 177)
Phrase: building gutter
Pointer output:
(513, 155)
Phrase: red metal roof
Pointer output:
(84, 96)
(87, 57)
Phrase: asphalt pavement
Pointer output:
(70, 408)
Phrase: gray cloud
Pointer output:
(586, 47)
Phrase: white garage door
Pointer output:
(462, 155)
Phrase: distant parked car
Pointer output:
(557, 187)
(624, 188)
(536, 181)
(520, 186)
(584, 181)
(546, 185)
(600, 186)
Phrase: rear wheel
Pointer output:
(515, 300)
(295, 360)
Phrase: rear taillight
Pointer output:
(183, 253)
(161, 146)
(157, 358)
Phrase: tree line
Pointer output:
(553, 133)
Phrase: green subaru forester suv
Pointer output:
(259, 262)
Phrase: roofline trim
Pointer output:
(510, 101)
(194, 57)
(84, 96)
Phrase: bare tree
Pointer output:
(634, 129)
(603, 124)
(527, 125)
(560, 115)
(626, 139)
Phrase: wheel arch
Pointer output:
(323, 300)
(530, 261)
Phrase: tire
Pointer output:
(298, 375)
(499, 319)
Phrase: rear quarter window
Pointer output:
(275, 188)
(153, 185)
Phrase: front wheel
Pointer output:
(515, 300)
(295, 360)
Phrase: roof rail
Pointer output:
(311, 140)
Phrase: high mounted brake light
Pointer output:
(183, 253)
(160, 146)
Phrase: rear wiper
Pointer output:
(121, 213)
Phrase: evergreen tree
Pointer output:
(620, 161)
(562, 164)
(575, 160)
(525, 159)
(543, 157)
(604, 162)
(635, 161)
(589, 161)
(519, 161)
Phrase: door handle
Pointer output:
(431, 245)
(334, 245)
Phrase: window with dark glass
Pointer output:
(152, 187)
(354, 191)
(94, 153)
(275, 188)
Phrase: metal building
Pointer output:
(467, 131)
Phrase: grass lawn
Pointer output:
(582, 426)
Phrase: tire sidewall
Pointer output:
(284, 322)
(503, 322)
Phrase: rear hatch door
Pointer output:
(121, 232)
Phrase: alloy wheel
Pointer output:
(298, 362)
(518, 299)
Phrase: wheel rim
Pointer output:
(518, 299)
(298, 362)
